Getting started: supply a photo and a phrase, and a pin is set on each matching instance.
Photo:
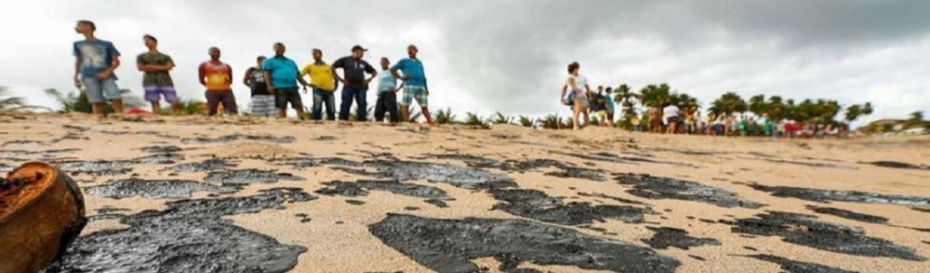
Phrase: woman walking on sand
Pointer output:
(578, 97)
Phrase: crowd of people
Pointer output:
(672, 118)
(275, 83)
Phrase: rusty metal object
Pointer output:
(41, 213)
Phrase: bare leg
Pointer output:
(282, 113)
(97, 109)
(156, 108)
(176, 107)
(429, 118)
(404, 113)
(577, 112)
(118, 107)
(300, 113)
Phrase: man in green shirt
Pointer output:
(156, 81)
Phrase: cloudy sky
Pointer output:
(510, 55)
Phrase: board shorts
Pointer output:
(99, 91)
(417, 93)
(283, 96)
(602, 113)
(263, 106)
(154, 93)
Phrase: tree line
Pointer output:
(633, 105)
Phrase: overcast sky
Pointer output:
(510, 55)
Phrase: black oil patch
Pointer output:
(666, 237)
(438, 203)
(208, 165)
(803, 230)
(851, 215)
(451, 245)
(660, 188)
(96, 168)
(355, 202)
(294, 162)
(34, 154)
(161, 149)
(927, 210)
(189, 236)
(899, 165)
(471, 160)
(22, 142)
(250, 176)
(238, 137)
(810, 164)
(537, 205)
(792, 266)
(612, 158)
(457, 176)
(361, 188)
(155, 189)
(823, 196)
(618, 199)
(140, 133)
(161, 159)
(696, 257)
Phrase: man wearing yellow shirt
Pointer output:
(324, 85)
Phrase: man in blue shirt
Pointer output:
(95, 62)
(355, 84)
(415, 84)
(387, 94)
(282, 76)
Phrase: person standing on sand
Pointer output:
(600, 108)
(282, 76)
(355, 85)
(387, 93)
(655, 120)
(414, 77)
(94, 63)
(579, 90)
(671, 113)
(263, 103)
(611, 106)
(156, 81)
(324, 86)
(216, 76)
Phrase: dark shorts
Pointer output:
(283, 96)
(217, 97)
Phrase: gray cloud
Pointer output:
(510, 55)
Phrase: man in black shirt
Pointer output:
(355, 85)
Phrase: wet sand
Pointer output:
(200, 195)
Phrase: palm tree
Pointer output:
(527, 122)
(444, 116)
(79, 103)
(10, 103)
(474, 119)
(655, 95)
(627, 100)
(729, 104)
(777, 108)
(500, 118)
(916, 120)
(758, 105)
(684, 100)
(551, 122)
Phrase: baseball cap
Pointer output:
(358, 47)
